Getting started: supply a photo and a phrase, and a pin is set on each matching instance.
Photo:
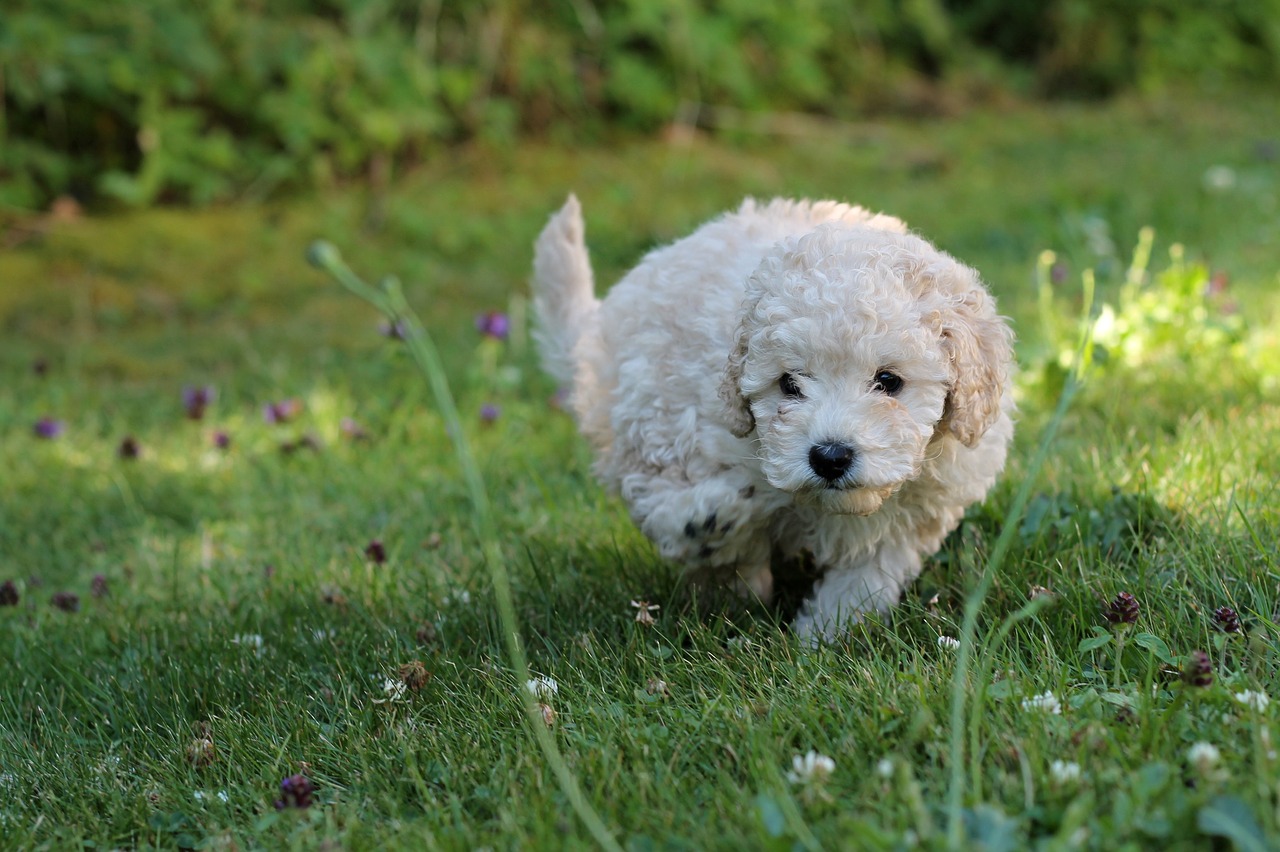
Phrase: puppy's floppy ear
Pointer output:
(737, 409)
(979, 345)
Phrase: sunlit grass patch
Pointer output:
(241, 604)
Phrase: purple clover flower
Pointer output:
(489, 413)
(376, 551)
(222, 440)
(352, 430)
(493, 324)
(129, 448)
(282, 411)
(98, 586)
(296, 791)
(196, 399)
(66, 601)
(9, 593)
(394, 330)
(47, 428)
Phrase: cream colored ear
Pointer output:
(737, 410)
(980, 347)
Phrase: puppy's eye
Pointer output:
(888, 383)
(787, 384)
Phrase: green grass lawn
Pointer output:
(229, 629)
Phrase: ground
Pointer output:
(243, 630)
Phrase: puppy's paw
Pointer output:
(709, 524)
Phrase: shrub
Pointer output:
(161, 100)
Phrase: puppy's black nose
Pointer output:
(831, 461)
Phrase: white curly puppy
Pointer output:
(794, 380)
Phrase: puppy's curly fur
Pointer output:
(795, 379)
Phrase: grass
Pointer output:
(1162, 484)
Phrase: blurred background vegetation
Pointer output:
(159, 101)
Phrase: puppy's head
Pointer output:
(857, 350)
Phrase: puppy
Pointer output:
(795, 381)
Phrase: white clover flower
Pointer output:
(320, 634)
(393, 689)
(884, 768)
(1045, 702)
(1064, 772)
(644, 612)
(252, 641)
(460, 597)
(948, 643)
(1204, 757)
(542, 688)
(1255, 700)
(810, 768)
(222, 796)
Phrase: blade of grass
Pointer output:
(975, 599)
(391, 302)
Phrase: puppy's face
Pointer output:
(845, 368)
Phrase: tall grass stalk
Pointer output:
(960, 682)
(391, 302)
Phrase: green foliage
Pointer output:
(161, 100)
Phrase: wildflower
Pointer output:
(352, 430)
(196, 399)
(296, 791)
(98, 586)
(1045, 702)
(655, 686)
(1039, 592)
(392, 689)
(199, 796)
(201, 752)
(66, 601)
(1064, 772)
(249, 640)
(1204, 757)
(542, 688)
(414, 675)
(884, 768)
(548, 714)
(1197, 670)
(8, 593)
(810, 768)
(397, 330)
(426, 633)
(489, 413)
(1122, 611)
(47, 428)
(1226, 619)
(222, 440)
(129, 448)
(376, 552)
(644, 612)
(1255, 700)
(493, 324)
(282, 411)
(948, 643)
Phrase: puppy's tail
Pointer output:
(564, 303)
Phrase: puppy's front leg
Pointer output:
(872, 582)
(715, 523)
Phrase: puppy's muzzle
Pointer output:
(831, 460)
